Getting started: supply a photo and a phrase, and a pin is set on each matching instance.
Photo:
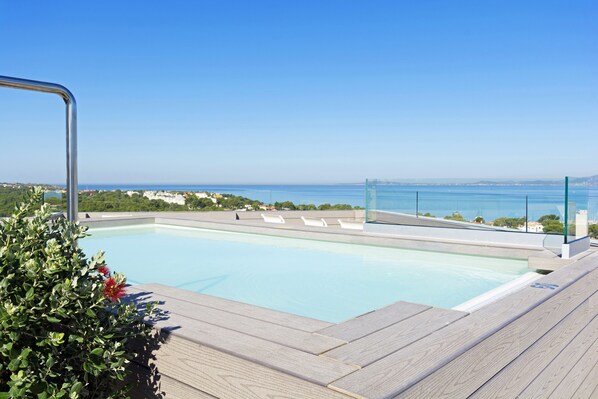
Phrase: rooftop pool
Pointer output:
(323, 280)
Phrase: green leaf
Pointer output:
(75, 338)
(97, 352)
(52, 319)
(14, 364)
(56, 338)
(76, 388)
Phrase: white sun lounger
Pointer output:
(351, 224)
(314, 222)
(273, 219)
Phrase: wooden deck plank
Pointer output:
(516, 376)
(547, 381)
(298, 339)
(455, 380)
(589, 387)
(244, 309)
(317, 369)
(471, 370)
(228, 376)
(403, 369)
(163, 387)
(572, 381)
(375, 346)
(178, 390)
(371, 322)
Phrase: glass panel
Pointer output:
(546, 213)
(424, 205)
(593, 209)
(478, 208)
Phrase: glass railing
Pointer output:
(566, 210)
(577, 211)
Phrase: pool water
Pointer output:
(323, 280)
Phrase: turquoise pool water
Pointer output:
(323, 280)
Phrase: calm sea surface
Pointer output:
(489, 201)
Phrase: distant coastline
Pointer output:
(589, 180)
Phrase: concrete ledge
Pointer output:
(473, 236)
(576, 247)
(114, 222)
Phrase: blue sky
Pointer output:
(302, 92)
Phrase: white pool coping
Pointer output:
(499, 292)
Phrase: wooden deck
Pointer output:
(534, 343)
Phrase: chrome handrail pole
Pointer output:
(72, 199)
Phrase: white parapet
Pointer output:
(576, 247)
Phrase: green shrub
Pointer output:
(511, 223)
(63, 329)
(551, 217)
(554, 226)
(456, 216)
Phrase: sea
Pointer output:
(470, 200)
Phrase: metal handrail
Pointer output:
(72, 200)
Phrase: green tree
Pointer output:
(306, 207)
(456, 216)
(427, 214)
(551, 217)
(511, 223)
(553, 226)
(285, 205)
(593, 230)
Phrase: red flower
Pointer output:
(104, 270)
(113, 290)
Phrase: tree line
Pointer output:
(120, 201)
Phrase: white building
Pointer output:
(171, 198)
(532, 227)
(206, 195)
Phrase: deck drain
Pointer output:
(544, 285)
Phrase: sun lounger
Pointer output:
(351, 224)
(273, 219)
(314, 222)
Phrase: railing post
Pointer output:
(367, 202)
(72, 199)
(526, 213)
(566, 221)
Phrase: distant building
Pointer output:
(206, 195)
(532, 227)
(171, 198)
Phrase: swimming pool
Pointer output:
(324, 280)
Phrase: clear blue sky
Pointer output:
(302, 92)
